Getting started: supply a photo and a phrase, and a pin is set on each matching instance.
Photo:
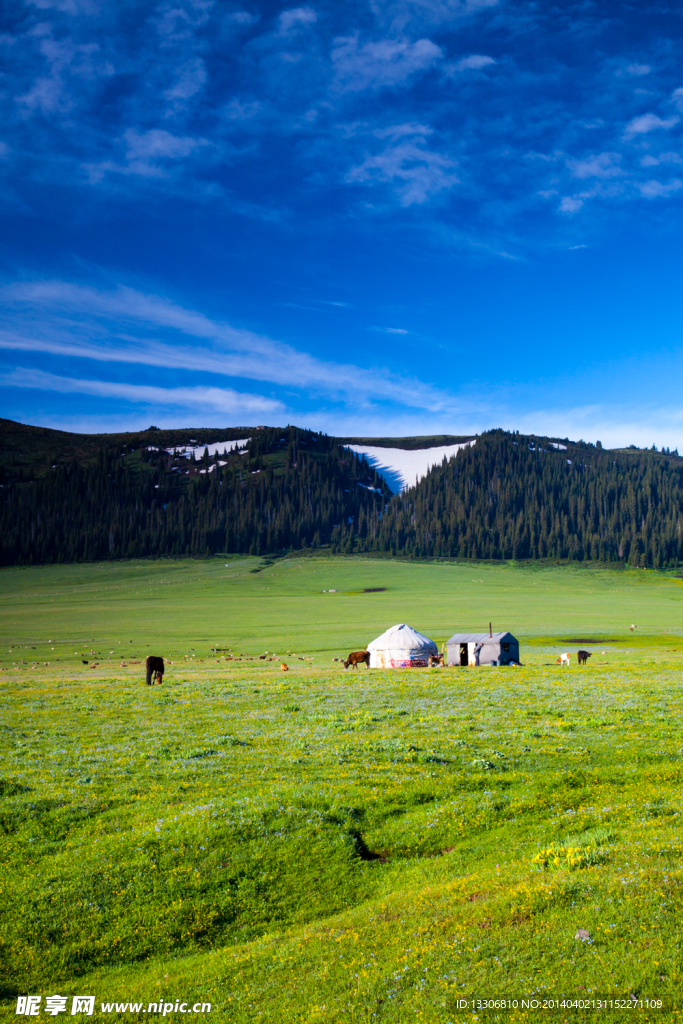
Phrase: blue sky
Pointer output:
(383, 217)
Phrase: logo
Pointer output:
(83, 1004)
(29, 1006)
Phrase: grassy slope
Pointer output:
(336, 846)
(172, 606)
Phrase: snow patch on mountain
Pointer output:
(400, 468)
(219, 448)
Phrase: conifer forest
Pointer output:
(508, 496)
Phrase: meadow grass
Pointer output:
(339, 846)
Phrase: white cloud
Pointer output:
(399, 131)
(145, 152)
(177, 23)
(67, 6)
(570, 204)
(242, 110)
(616, 426)
(661, 158)
(388, 62)
(47, 95)
(157, 144)
(638, 70)
(474, 62)
(677, 98)
(191, 77)
(648, 123)
(66, 60)
(242, 18)
(604, 165)
(297, 17)
(416, 173)
(205, 399)
(403, 12)
(122, 326)
(660, 189)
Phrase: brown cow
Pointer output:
(436, 660)
(583, 656)
(357, 658)
(155, 667)
(284, 667)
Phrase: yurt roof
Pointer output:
(481, 638)
(402, 638)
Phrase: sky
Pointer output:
(374, 218)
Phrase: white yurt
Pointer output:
(401, 647)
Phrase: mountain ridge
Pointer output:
(72, 497)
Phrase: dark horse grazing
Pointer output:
(155, 667)
(583, 656)
(357, 658)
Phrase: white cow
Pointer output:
(563, 659)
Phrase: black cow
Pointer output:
(583, 656)
(155, 667)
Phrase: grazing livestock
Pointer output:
(583, 656)
(283, 667)
(563, 659)
(357, 658)
(436, 660)
(155, 667)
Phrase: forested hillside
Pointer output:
(72, 497)
(511, 496)
(288, 488)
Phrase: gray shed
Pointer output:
(482, 649)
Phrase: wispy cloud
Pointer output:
(416, 13)
(415, 172)
(206, 400)
(252, 134)
(660, 189)
(475, 62)
(645, 123)
(191, 78)
(387, 62)
(122, 326)
(66, 62)
(604, 165)
(296, 18)
(148, 154)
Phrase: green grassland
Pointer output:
(339, 846)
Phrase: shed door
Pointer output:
(464, 659)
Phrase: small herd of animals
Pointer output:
(155, 665)
(357, 658)
(582, 657)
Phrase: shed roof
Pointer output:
(403, 638)
(481, 638)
